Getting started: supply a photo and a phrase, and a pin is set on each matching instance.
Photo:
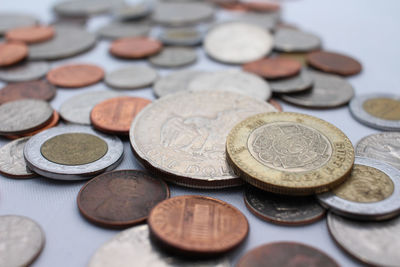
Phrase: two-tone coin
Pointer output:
(25, 71)
(131, 77)
(173, 57)
(33, 89)
(12, 162)
(291, 40)
(297, 83)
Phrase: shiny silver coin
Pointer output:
(12, 162)
(132, 12)
(181, 36)
(21, 240)
(77, 108)
(173, 57)
(374, 243)
(133, 246)
(380, 111)
(118, 29)
(370, 193)
(237, 42)
(42, 166)
(22, 116)
(291, 40)
(298, 83)
(131, 77)
(266, 21)
(235, 81)
(10, 21)
(26, 71)
(84, 7)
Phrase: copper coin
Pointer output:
(276, 104)
(286, 254)
(30, 35)
(273, 68)
(258, 6)
(197, 225)
(74, 76)
(135, 47)
(121, 198)
(115, 115)
(334, 63)
(34, 89)
(234, 6)
(11, 53)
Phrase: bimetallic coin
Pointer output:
(12, 162)
(84, 7)
(22, 90)
(25, 71)
(291, 40)
(14, 20)
(181, 36)
(173, 57)
(298, 83)
(119, 29)
(131, 77)
(334, 63)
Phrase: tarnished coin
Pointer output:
(74, 76)
(135, 47)
(334, 63)
(291, 40)
(132, 77)
(187, 224)
(181, 36)
(33, 90)
(380, 111)
(10, 21)
(131, 11)
(282, 209)
(30, 35)
(21, 240)
(25, 71)
(237, 42)
(121, 198)
(273, 68)
(12, 162)
(173, 57)
(119, 29)
(133, 245)
(84, 7)
(298, 83)
(290, 153)
(187, 140)
(12, 53)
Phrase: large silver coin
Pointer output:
(41, 165)
(183, 136)
(14, 20)
(117, 29)
(77, 108)
(26, 71)
(21, 240)
(233, 81)
(12, 162)
(84, 7)
(237, 42)
(172, 57)
(181, 36)
(22, 116)
(382, 146)
(133, 247)
(132, 77)
(298, 83)
(290, 40)
(132, 12)
(380, 111)
(374, 243)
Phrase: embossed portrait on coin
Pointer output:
(16, 160)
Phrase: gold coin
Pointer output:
(383, 108)
(290, 153)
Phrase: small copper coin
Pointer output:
(74, 76)
(274, 68)
(34, 89)
(286, 254)
(30, 35)
(115, 115)
(121, 198)
(259, 6)
(197, 225)
(276, 104)
(334, 63)
(11, 53)
(234, 6)
(135, 47)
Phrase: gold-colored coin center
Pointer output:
(383, 108)
(74, 149)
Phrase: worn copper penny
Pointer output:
(276, 104)
(286, 254)
(11, 53)
(197, 225)
(259, 6)
(234, 6)
(274, 68)
(34, 89)
(334, 63)
(135, 47)
(74, 76)
(121, 198)
(30, 35)
(115, 115)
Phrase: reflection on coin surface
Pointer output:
(30, 35)
(273, 68)
(334, 63)
(131, 77)
(12, 53)
(172, 57)
(22, 90)
(188, 133)
(300, 82)
(119, 29)
(135, 47)
(14, 20)
(12, 162)
(181, 36)
(25, 71)
(290, 40)
(76, 75)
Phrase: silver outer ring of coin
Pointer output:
(117, 30)
(173, 57)
(23, 234)
(27, 71)
(358, 112)
(44, 167)
(380, 210)
(293, 41)
(132, 77)
(14, 166)
(15, 20)
(298, 83)
(194, 40)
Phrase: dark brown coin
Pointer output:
(34, 89)
(286, 254)
(30, 35)
(273, 68)
(197, 225)
(11, 53)
(334, 63)
(259, 6)
(276, 104)
(121, 198)
(74, 76)
(135, 47)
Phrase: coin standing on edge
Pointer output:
(75, 76)
(290, 40)
(334, 63)
(298, 83)
(131, 77)
(25, 71)
(173, 57)
(12, 162)
(135, 47)
(41, 90)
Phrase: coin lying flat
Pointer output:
(25, 71)
(12, 162)
(30, 35)
(76, 75)
(266, 21)
(181, 36)
(135, 47)
(14, 20)
(33, 90)
(334, 63)
(84, 7)
(173, 57)
(187, 140)
(299, 56)
(275, 104)
(290, 153)
(273, 68)
(298, 83)
(131, 77)
(131, 11)
(290, 40)
(12, 53)
(119, 29)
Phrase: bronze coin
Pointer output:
(33, 89)
(115, 115)
(11, 53)
(30, 35)
(74, 76)
(135, 47)
(334, 63)
(258, 6)
(121, 198)
(197, 225)
(286, 254)
(276, 104)
(234, 6)
(273, 68)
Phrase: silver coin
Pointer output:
(237, 42)
(12, 162)
(132, 12)
(266, 21)
(328, 91)
(84, 7)
(235, 81)
(10, 21)
(40, 165)
(298, 83)
(26, 71)
(22, 116)
(67, 42)
(290, 40)
(133, 246)
(382, 146)
(21, 240)
(118, 29)
(374, 243)
(376, 195)
(77, 108)
(131, 77)
(172, 57)
(380, 111)
(181, 36)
